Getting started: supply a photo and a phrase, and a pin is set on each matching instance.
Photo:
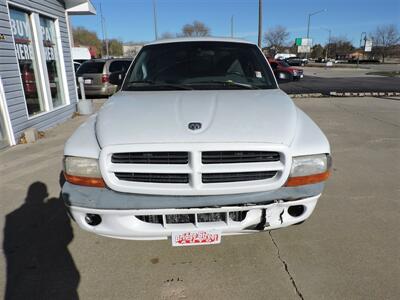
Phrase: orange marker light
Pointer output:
(310, 179)
(86, 181)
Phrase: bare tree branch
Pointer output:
(384, 38)
(276, 38)
(196, 29)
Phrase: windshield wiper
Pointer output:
(227, 83)
(158, 85)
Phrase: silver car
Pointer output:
(96, 73)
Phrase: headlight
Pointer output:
(83, 171)
(309, 169)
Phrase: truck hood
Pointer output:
(232, 116)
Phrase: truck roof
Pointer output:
(199, 39)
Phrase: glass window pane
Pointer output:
(91, 67)
(22, 33)
(51, 52)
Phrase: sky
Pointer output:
(132, 20)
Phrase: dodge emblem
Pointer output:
(194, 126)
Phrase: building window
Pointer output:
(21, 28)
(52, 55)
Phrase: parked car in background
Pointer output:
(283, 55)
(96, 73)
(296, 61)
(283, 66)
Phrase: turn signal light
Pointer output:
(310, 179)
(86, 181)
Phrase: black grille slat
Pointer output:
(229, 157)
(211, 217)
(153, 177)
(238, 216)
(180, 219)
(154, 219)
(163, 158)
(236, 177)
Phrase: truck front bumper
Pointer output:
(119, 212)
(127, 224)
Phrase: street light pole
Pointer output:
(309, 21)
(104, 33)
(232, 26)
(155, 20)
(361, 39)
(259, 22)
(329, 42)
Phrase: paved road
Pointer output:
(313, 84)
(348, 249)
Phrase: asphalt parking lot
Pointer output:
(348, 249)
(342, 80)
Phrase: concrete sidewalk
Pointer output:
(347, 250)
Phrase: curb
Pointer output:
(346, 94)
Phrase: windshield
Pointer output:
(199, 65)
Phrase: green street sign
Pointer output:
(298, 41)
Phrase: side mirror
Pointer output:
(117, 78)
(283, 77)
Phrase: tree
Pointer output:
(340, 46)
(276, 38)
(196, 29)
(317, 51)
(385, 37)
(114, 47)
(84, 37)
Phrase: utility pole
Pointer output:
(104, 32)
(232, 26)
(329, 42)
(155, 20)
(259, 22)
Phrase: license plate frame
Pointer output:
(196, 237)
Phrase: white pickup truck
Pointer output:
(199, 142)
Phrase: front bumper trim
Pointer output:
(123, 224)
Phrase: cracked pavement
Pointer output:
(348, 249)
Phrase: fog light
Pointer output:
(93, 219)
(296, 210)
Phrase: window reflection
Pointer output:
(52, 60)
(22, 33)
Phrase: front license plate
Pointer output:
(88, 81)
(195, 238)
